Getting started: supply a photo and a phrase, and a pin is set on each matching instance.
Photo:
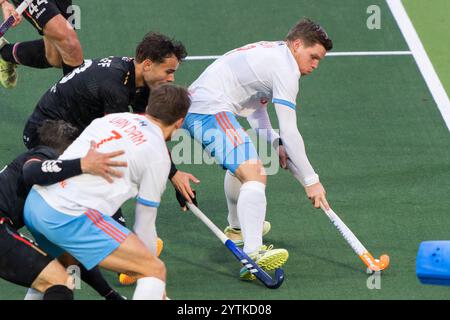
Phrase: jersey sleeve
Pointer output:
(43, 168)
(285, 87)
(153, 183)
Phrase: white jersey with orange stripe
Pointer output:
(247, 78)
(145, 177)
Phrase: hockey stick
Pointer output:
(10, 21)
(246, 261)
(371, 263)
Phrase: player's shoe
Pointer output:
(8, 74)
(235, 235)
(126, 280)
(267, 258)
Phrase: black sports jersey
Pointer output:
(98, 87)
(13, 190)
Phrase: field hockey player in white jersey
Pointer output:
(74, 216)
(241, 83)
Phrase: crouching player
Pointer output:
(241, 83)
(21, 260)
(75, 215)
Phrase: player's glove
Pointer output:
(182, 201)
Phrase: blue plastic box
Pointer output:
(433, 263)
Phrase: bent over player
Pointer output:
(75, 215)
(241, 83)
(111, 85)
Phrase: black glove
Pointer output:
(182, 201)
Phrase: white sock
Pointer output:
(33, 294)
(232, 187)
(251, 209)
(149, 288)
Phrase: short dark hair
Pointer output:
(57, 134)
(168, 103)
(311, 33)
(157, 47)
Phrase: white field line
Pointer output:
(422, 59)
(330, 54)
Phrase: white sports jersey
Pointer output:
(145, 177)
(246, 78)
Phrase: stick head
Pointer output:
(375, 264)
(277, 281)
(380, 264)
(383, 262)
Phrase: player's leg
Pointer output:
(60, 46)
(223, 137)
(251, 210)
(42, 53)
(27, 53)
(22, 262)
(134, 259)
(251, 204)
(96, 239)
(93, 278)
(232, 187)
(63, 48)
(54, 282)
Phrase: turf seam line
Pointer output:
(422, 60)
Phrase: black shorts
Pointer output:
(42, 11)
(118, 216)
(21, 260)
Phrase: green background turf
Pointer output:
(371, 128)
(432, 24)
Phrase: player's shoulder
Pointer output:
(281, 55)
(42, 152)
(39, 152)
(113, 65)
(155, 143)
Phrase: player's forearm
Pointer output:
(145, 226)
(299, 164)
(50, 171)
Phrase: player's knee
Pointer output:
(153, 267)
(53, 56)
